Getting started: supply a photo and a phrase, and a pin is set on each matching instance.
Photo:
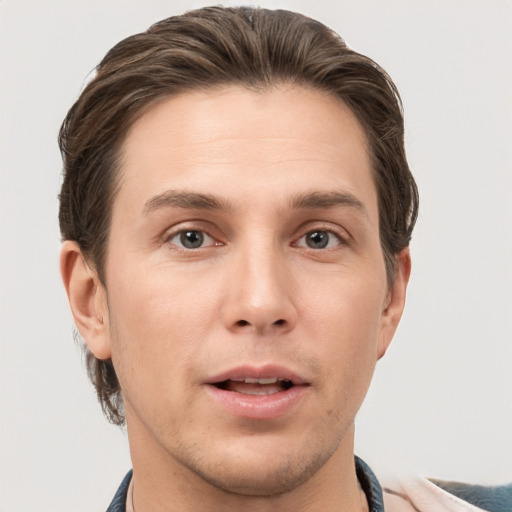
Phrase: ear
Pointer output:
(395, 301)
(87, 298)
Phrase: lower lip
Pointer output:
(260, 407)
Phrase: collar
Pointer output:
(370, 485)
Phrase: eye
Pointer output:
(319, 239)
(192, 239)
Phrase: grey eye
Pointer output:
(317, 239)
(191, 239)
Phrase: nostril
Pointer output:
(245, 323)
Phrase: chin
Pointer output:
(264, 476)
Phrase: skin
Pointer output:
(254, 293)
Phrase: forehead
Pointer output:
(229, 138)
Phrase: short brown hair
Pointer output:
(251, 47)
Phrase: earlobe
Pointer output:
(87, 299)
(395, 301)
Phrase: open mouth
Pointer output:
(258, 393)
(253, 386)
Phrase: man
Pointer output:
(237, 209)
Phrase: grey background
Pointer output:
(440, 403)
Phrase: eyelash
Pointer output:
(341, 240)
(178, 234)
(173, 239)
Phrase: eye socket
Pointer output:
(191, 239)
(319, 239)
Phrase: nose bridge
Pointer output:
(260, 296)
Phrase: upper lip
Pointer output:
(267, 371)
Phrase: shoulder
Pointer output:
(496, 498)
(414, 494)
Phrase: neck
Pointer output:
(162, 484)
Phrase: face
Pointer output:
(246, 295)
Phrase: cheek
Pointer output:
(346, 305)
(157, 322)
(160, 298)
(344, 320)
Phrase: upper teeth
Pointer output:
(251, 380)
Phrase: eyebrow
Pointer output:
(183, 199)
(321, 200)
(198, 201)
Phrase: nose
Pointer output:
(260, 296)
